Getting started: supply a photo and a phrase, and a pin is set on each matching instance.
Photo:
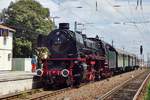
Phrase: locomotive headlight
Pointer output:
(65, 72)
(39, 72)
(45, 56)
(76, 61)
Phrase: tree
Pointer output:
(2, 16)
(22, 48)
(29, 19)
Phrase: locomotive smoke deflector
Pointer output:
(63, 25)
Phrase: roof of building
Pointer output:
(8, 28)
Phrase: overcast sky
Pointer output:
(116, 20)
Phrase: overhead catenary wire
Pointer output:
(131, 11)
(83, 19)
(134, 24)
(104, 17)
(99, 13)
(142, 23)
(142, 14)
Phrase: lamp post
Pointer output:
(53, 20)
(76, 24)
(148, 59)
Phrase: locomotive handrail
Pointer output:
(81, 59)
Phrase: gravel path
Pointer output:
(91, 91)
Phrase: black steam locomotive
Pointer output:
(73, 58)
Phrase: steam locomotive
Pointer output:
(72, 58)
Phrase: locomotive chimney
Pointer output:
(63, 25)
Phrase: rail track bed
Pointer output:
(127, 90)
(20, 95)
(47, 94)
(34, 94)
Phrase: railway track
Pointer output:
(128, 90)
(36, 94)
(39, 94)
(141, 89)
(48, 94)
(21, 95)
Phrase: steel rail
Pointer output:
(141, 88)
(49, 94)
(18, 94)
(114, 90)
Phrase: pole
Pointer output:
(75, 26)
(148, 59)
(96, 6)
(112, 43)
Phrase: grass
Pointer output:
(147, 96)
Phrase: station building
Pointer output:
(6, 42)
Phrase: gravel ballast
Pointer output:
(92, 90)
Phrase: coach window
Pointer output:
(91, 44)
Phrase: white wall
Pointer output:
(5, 51)
(21, 64)
(5, 62)
(8, 44)
(27, 64)
(15, 86)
